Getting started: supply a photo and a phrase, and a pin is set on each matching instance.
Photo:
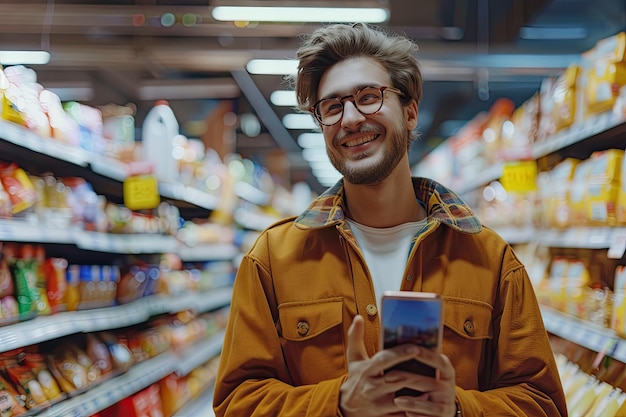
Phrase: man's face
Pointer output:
(365, 149)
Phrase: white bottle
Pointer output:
(159, 129)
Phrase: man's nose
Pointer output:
(351, 115)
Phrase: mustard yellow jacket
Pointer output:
(303, 281)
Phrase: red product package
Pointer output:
(145, 403)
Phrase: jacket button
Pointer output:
(303, 328)
(468, 326)
(371, 310)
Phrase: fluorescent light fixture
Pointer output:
(315, 154)
(311, 140)
(284, 98)
(322, 166)
(24, 57)
(553, 33)
(300, 14)
(299, 121)
(272, 66)
(197, 88)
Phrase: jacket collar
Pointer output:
(442, 205)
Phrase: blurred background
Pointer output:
(134, 52)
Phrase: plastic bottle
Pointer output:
(159, 129)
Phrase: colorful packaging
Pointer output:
(564, 110)
(620, 208)
(604, 184)
(618, 317)
(604, 73)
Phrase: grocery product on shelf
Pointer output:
(159, 131)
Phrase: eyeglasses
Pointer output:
(367, 100)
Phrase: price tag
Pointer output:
(519, 177)
(141, 192)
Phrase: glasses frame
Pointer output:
(351, 97)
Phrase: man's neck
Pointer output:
(387, 204)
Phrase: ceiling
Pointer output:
(472, 52)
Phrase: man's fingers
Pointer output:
(356, 347)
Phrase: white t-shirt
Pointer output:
(386, 252)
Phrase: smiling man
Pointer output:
(303, 337)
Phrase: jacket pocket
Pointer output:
(312, 339)
(467, 329)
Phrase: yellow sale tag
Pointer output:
(141, 192)
(520, 176)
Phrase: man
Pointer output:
(304, 329)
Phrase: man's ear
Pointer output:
(410, 115)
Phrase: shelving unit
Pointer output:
(40, 154)
(138, 377)
(573, 334)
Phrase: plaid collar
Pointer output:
(442, 205)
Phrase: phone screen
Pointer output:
(412, 318)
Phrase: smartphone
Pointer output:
(412, 317)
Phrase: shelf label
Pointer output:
(520, 176)
(141, 192)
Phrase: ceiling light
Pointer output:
(24, 57)
(315, 154)
(272, 66)
(311, 140)
(300, 14)
(299, 121)
(284, 98)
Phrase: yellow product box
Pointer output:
(557, 279)
(604, 184)
(556, 204)
(608, 402)
(525, 121)
(545, 123)
(602, 204)
(604, 73)
(618, 317)
(564, 110)
(620, 207)
(578, 195)
(576, 282)
(606, 166)
(615, 405)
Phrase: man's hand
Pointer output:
(367, 392)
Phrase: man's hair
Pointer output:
(333, 43)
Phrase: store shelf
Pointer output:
(61, 324)
(188, 194)
(146, 243)
(597, 132)
(611, 238)
(28, 139)
(137, 378)
(586, 334)
(606, 123)
(106, 174)
(198, 407)
(465, 185)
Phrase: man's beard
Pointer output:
(373, 174)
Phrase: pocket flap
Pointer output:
(305, 320)
(468, 318)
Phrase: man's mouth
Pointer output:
(360, 141)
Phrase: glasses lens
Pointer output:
(329, 111)
(369, 100)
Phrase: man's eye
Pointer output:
(332, 107)
(368, 98)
